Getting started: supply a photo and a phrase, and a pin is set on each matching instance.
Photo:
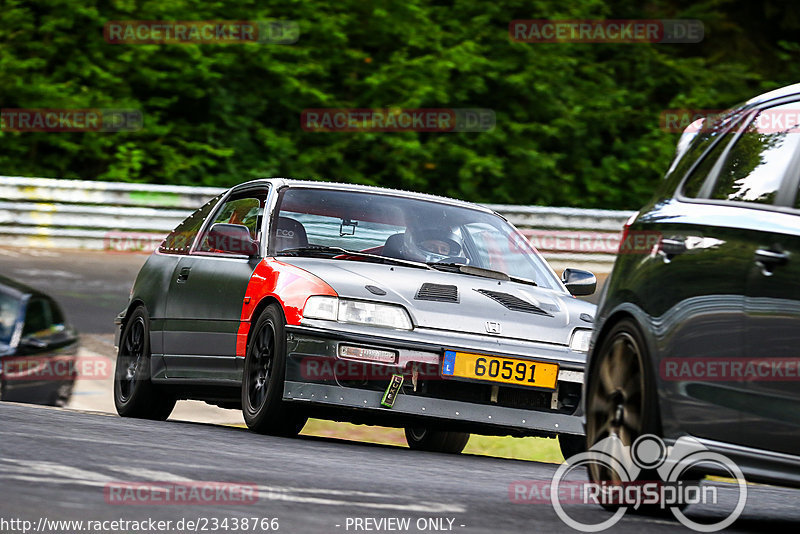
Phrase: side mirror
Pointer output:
(579, 282)
(32, 344)
(232, 238)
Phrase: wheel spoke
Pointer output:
(619, 374)
(137, 337)
(600, 405)
(259, 366)
(633, 422)
(632, 387)
(605, 429)
(606, 380)
(617, 352)
(128, 346)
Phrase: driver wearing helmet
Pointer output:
(437, 244)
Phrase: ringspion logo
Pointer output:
(622, 489)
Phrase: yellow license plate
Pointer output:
(497, 369)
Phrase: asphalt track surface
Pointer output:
(57, 464)
(61, 464)
(92, 287)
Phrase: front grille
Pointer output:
(437, 292)
(512, 303)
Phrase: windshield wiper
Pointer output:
(480, 271)
(312, 250)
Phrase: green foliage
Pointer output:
(577, 124)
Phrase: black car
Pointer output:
(38, 348)
(698, 328)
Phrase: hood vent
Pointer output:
(437, 292)
(513, 303)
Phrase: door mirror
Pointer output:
(579, 282)
(30, 343)
(231, 239)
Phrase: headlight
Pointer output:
(580, 340)
(319, 307)
(357, 312)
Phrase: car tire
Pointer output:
(425, 439)
(622, 398)
(135, 395)
(262, 383)
(571, 445)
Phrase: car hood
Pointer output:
(484, 306)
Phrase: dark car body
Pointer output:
(712, 287)
(38, 348)
(202, 305)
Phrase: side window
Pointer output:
(691, 187)
(180, 240)
(42, 318)
(9, 312)
(245, 211)
(757, 162)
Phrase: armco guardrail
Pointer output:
(81, 214)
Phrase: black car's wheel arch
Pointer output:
(259, 309)
(612, 321)
(135, 303)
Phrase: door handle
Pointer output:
(183, 276)
(672, 246)
(769, 259)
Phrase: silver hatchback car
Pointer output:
(292, 299)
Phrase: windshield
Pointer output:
(405, 229)
(9, 311)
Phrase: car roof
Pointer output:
(340, 186)
(789, 90)
(17, 289)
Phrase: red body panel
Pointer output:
(290, 285)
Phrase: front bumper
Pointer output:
(483, 408)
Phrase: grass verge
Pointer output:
(532, 449)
